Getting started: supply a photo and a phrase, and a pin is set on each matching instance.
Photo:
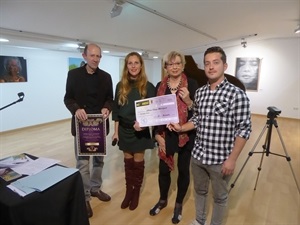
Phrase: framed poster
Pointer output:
(247, 70)
(75, 63)
(91, 136)
(13, 69)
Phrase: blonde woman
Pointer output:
(176, 82)
(132, 139)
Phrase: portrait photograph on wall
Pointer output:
(121, 65)
(247, 70)
(75, 63)
(13, 69)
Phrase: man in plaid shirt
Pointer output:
(222, 121)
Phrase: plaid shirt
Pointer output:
(219, 116)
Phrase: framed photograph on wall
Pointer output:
(13, 69)
(247, 70)
(75, 63)
(121, 66)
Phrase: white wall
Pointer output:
(47, 71)
(279, 83)
(45, 89)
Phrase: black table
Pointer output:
(61, 204)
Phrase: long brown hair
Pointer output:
(141, 81)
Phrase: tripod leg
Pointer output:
(259, 167)
(288, 158)
(249, 154)
(232, 185)
(266, 150)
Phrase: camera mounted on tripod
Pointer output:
(273, 112)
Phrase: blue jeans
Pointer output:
(92, 180)
(202, 175)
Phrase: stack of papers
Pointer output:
(35, 166)
(13, 161)
(41, 181)
(39, 177)
(15, 166)
(9, 163)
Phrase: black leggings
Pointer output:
(183, 180)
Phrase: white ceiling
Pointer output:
(51, 24)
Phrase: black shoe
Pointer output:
(159, 206)
(89, 209)
(101, 196)
(177, 214)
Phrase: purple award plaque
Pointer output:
(91, 136)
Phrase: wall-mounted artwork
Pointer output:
(13, 69)
(247, 70)
(121, 66)
(75, 63)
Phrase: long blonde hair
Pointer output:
(140, 82)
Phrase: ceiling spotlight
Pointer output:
(297, 31)
(71, 45)
(4, 40)
(81, 46)
(244, 43)
(117, 9)
(145, 54)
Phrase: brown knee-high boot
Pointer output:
(138, 180)
(129, 176)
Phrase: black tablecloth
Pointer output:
(61, 204)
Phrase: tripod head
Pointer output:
(273, 112)
(21, 97)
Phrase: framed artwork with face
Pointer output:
(247, 70)
(13, 69)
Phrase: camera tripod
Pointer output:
(266, 148)
(21, 97)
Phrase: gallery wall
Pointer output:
(44, 91)
(279, 78)
(279, 81)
